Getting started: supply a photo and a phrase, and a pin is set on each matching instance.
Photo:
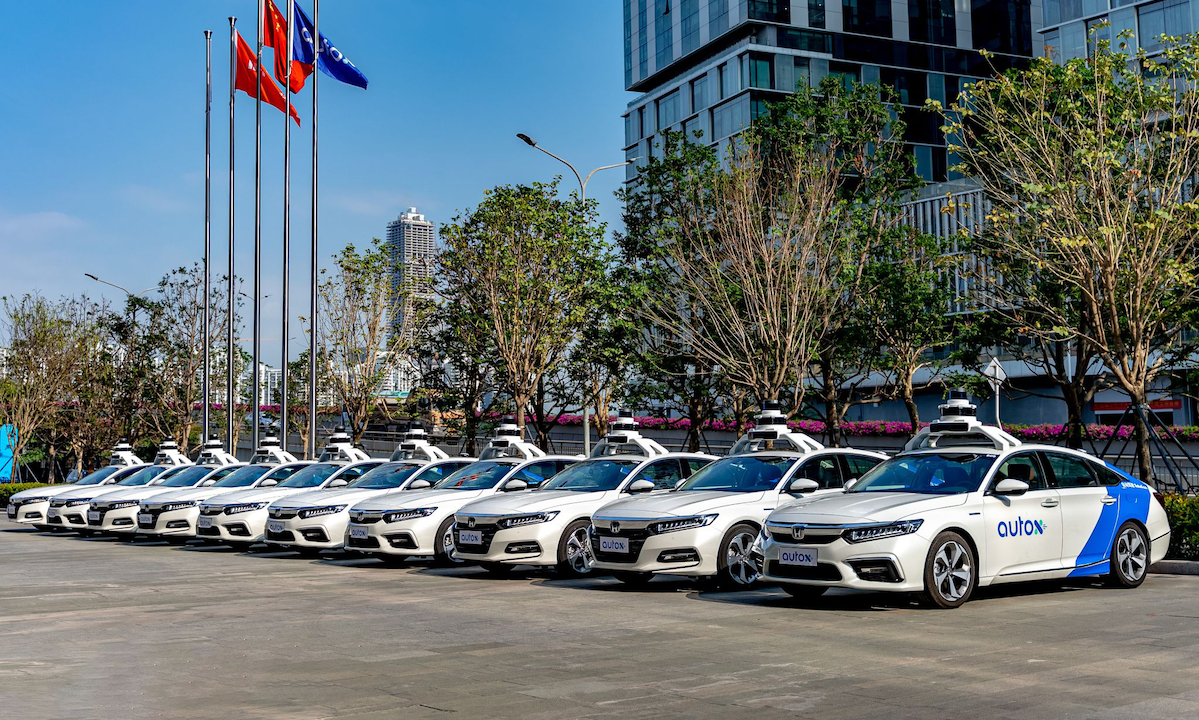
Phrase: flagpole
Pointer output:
(312, 300)
(230, 390)
(257, 225)
(283, 426)
(207, 214)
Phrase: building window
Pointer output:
(757, 71)
(1098, 30)
(631, 132)
(805, 40)
(642, 39)
(668, 111)
(699, 94)
(1166, 17)
(932, 21)
(641, 128)
(1060, 11)
(816, 13)
(803, 72)
(718, 18)
(911, 87)
(730, 118)
(723, 73)
(663, 37)
(778, 11)
(689, 26)
(1002, 26)
(848, 73)
(628, 42)
(693, 130)
(1051, 42)
(868, 17)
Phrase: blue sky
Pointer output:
(103, 131)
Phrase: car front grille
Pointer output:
(367, 543)
(822, 571)
(486, 532)
(152, 522)
(636, 539)
(213, 531)
(366, 518)
(281, 535)
(784, 535)
(282, 513)
(98, 521)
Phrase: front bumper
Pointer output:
(117, 520)
(683, 552)
(157, 522)
(69, 517)
(28, 513)
(411, 538)
(323, 531)
(889, 565)
(244, 527)
(534, 544)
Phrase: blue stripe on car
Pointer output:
(1132, 503)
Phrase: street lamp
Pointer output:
(118, 287)
(582, 196)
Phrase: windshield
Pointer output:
(592, 476)
(476, 476)
(143, 476)
(186, 477)
(740, 474)
(947, 473)
(387, 475)
(242, 477)
(310, 476)
(99, 476)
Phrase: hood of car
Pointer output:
(47, 491)
(530, 502)
(89, 491)
(133, 493)
(419, 499)
(182, 494)
(329, 497)
(841, 508)
(254, 495)
(677, 504)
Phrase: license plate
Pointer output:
(12, 511)
(204, 522)
(358, 533)
(802, 556)
(52, 512)
(470, 537)
(93, 516)
(614, 545)
(274, 527)
(145, 519)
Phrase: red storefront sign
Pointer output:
(1163, 404)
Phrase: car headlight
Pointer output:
(317, 512)
(686, 523)
(76, 503)
(178, 505)
(123, 504)
(248, 507)
(26, 501)
(878, 532)
(518, 521)
(401, 515)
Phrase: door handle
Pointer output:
(1108, 500)
(1049, 503)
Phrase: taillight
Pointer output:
(1161, 499)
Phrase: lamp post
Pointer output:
(583, 197)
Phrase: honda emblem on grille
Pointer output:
(614, 526)
(470, 522)
(797, 532)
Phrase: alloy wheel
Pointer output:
(739, 560)
(1130, 554)
(447, 545)
(578, 552)
(952, 572)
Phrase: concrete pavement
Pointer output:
(96, 629)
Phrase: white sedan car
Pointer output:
(309, 522)
(173, 514)
(707, 526)
(116, 512)
(30, 507)
(420, 522)
(68, 510)
(549, 527)
(240, 517)
(968, 506)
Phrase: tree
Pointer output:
(367, 328)
(531, 263)
(1089, 169)
(297, 394)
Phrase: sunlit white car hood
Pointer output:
(50, 491)
(337, 496)
(683, 503)
(536, 501)
(255, 495)
(418, 499)
(862, 507)
(133, 493)
(196, 493)
(90, 491)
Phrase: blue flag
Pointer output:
(333, 63)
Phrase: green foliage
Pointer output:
(1183, 514)
(7, 490)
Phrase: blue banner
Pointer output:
(333, 62)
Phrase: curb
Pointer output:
(1175, 567)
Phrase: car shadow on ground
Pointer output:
(26, 530)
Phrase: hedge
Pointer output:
(7, 490)
(1183, 513)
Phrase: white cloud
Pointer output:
(36, 226)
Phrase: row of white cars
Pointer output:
(965, 505)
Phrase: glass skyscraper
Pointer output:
(1067, 26)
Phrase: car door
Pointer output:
(664, 474)
(1023, 532)
(1089, 511)
(825, 470)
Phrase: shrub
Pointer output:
(7, 490)
(1183, 513)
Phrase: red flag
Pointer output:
(274, 35)
(246, 63)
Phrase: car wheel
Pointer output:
(949, 571)
(574, 550)
(805, 593)
(736, 566)
(634, 579)
(1129, 557)
(495, 568)
(444, 553)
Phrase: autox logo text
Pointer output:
(1020, 526)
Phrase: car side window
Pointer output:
(354, 473)
(824, 470)
(563, 464)
(536, 473)
(693, 465)
(859, 465)
(1069, 471)
(1024, 468)
(664, 474)
(1106, 475)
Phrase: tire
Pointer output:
(1129, 558)
(804, 593)
(444, 552)
(950, 571)
(736, 566)
(495, 568)
(633, 579)
(574, 550)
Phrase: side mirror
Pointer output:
(269, 482)
(850, 483)
(641, 486)
(515, 484)
(419, 485)
(679, 482)
(1010, 486)
(208, 482)
(802, 485)
(339, 482)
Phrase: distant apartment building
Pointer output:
(411, 243)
